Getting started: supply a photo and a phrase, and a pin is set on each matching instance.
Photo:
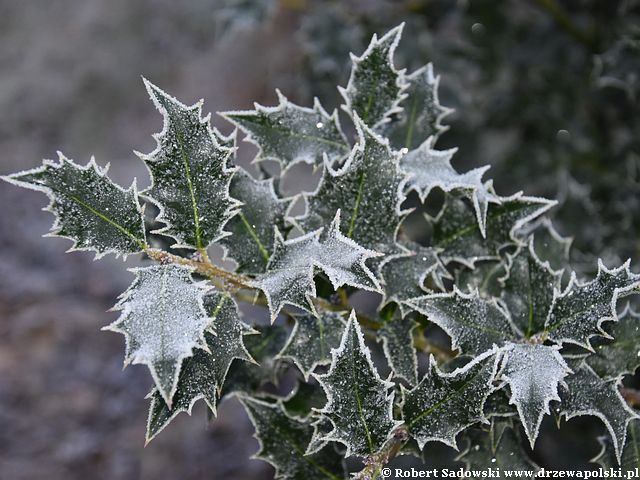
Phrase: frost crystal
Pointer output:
(163, 319)
(190, 177)
(90, 209)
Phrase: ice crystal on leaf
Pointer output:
(163, 320)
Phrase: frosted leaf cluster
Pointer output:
(482, 322)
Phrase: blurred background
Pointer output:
(545, 91)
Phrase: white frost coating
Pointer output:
(533, 373)
(392, 37)
(310, 132)
(212, 144)
(374, 400)
(429, 168)
(595, 301)
(102, 173)
(590, 395)
(289, 276)
(163, 319)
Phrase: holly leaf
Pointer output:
(588, 394)
(422, 114)
(397, 344)
(498, 447)
(163, 320)
(403, 275)
(533, 373)
(289, 134)
(457, 233)
(375, 88)
(251, 241)
(304, 400)
(189, 172)
(579, 312)
(283, 442)
(444, 404)
(474, 324)
(368, 191)
(528, 289)
(203, 374)
(630, 457)
(549, 245)
(91, 210)
(312, 339)
(618, 356)
(289, 275)
(359, 402)
(429, 168)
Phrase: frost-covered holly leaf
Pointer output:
(457, 233)
(533, 373)
(368, 191)
(312, 339)
(322, 427)
(163, 320)
(283, 443)
(403, 275)
(529, 287)
(248, 378)
(549, 245)
(397, 344)
(429, 168)
(289, 275)
(588, 394)
(422, 113)
(495, 447)
(203, 374)
(620, 355)
(189, 172)
(375, 88)
(289, 134)
(579, 312)
(359, 402)
(90, 209)
(630, 458)
(475, 325)
(251, 241)
(444, 404)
